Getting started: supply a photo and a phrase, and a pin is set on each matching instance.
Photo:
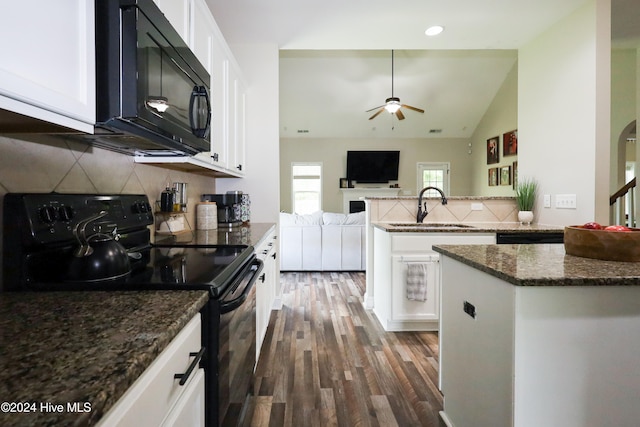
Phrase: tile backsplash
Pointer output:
(55, 163)
(458, 209)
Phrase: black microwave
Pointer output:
(152, 93)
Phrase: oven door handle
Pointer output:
(228, 306)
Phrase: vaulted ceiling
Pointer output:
(336, 57)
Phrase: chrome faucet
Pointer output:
(422, 214)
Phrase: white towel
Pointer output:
(417, 281)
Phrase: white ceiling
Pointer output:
(336, 57)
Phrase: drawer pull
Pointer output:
(273, 255)
(185, 377)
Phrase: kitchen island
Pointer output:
(81, 350)
(530, 336)
(400, 246)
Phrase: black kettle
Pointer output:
(98, 257)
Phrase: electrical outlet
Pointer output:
(547, 200)
(566, 201)
(476, 206)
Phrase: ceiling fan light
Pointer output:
(392, 106)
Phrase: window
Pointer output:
(306, 186)
(433, 175)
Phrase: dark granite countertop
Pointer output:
(88, 347)
(247, 234)
(467, 227)
(542, 265)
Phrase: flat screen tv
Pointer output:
(372, 166)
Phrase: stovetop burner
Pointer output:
(39, 229)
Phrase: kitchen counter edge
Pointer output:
(542, 265)
(470, 227)
(87, 347)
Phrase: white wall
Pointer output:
(332, 152)
(501, 116)
(563, 113)
(259, 63)
(623, 109)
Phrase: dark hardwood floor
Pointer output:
(326, 361)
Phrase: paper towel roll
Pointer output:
(207, 216)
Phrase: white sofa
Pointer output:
(322, 241)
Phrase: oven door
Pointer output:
(237, 346)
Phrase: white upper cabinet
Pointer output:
(178, 14)
(47, 65)
(194, 21)
(219, 106)
(201, 33)
(237, 114)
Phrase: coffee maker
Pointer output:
(228, 207)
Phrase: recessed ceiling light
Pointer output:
(434, 30)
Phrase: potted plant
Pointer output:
(526, 199)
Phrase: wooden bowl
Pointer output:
(601, 244)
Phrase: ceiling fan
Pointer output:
(393, 105)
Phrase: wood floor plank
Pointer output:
(328, 415)
(384, 413)
(262, 412)
(326, 361)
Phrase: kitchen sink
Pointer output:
(430, 225)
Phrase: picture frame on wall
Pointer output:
(510, 143)
(505, 175)
(514, 174)
(493, 177)
(493, 150)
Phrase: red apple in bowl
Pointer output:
(592, 226)
(617, 228)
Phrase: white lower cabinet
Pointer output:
(405, 311)
(189, 411)
(156, 398)
(266, 286)
(393, 253)
(531, 356)
(476, 350)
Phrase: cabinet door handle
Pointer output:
(469, 308)
(273, 255)
(262, 277)
(215, 157)
(239, 167)
(185, 377)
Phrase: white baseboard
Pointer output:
(445, 419)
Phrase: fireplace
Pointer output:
(356, 206)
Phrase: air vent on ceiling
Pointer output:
(435, 130)
(303, 130)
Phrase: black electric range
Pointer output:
(40, 238)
